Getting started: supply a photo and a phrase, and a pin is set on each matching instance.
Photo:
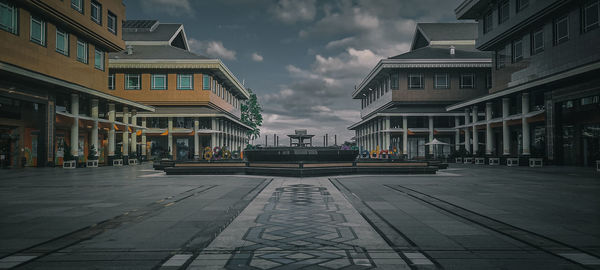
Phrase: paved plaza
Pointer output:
(465, 217)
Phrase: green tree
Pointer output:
(252, 116)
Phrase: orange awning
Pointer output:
(165, 133)
(139, 132)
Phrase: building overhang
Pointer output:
(216, 65)
(357, 124)
(419, 63)
(525, 86)
(471, 9)
(73, 87)
(149, 114)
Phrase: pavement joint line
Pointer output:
(177, 260)
(14, 260)
(497, 226)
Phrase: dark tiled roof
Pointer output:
(156, 52)
(162, 32)
(449, 31)
(443, 52)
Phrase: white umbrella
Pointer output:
(435, 142)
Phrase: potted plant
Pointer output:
(512, 161)
(494, 160)
(92, 159)
(480, 157)
(460, 154)
(118, 158)
(69, 161)
(468, 158)
(537, 158)
(132, 159)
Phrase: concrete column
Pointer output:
(488, 129)
(170, 137)
(467, 135)
(475, 133)
(213, 135)
(505, 131)
(405, 135)
(196, 138)
(126, 132)
(94, 135)
(75, 126)
(111, 132)
(386, 135)
(525, 125)
(430, 133)
(133, 145)
(456, 133)
(144, 150)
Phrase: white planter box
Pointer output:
(480, 161)
(598, 165)
(132, 161)
(536, 162)
(494, 161)
(117, 162)
(512, 162)
(92, 163)
(71, 164)
(458, 160)
(468, 160)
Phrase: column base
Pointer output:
(109, 160)
(144, 158)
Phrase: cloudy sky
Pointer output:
(301, 57)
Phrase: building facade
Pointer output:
(197, 99)
(403, 99)
(545, 94)
(53, 80)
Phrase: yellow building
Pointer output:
(53, 80)
(197, 99)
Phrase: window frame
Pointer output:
(488, 80)
(153, 85)
(205, 82)
(14, 20)
(96, 51)
(130, 75)
(585, 28)
(501, 14)
(520, 5)
(498, 57)
(42, 23)
(488, 22)
(421, 78)
(435, 81)
(395, 81)
(81, 6)
(517, 58)
(180, 76)
(99, 6)
(85, 60)
(536, 50)
(462, 85)
(555, 23)
(64, 51)
(111, 81)
(109, 16)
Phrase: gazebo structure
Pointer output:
(298, 138)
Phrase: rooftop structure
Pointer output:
(297, 139)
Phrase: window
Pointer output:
(96, 11)
(487, 22)
(98, 59)
(503, 11)
(395, 81)
(590, 14)
(185, 82)
(561, 30)
(159, 81)
(82, 51)
(38, 31)
(415, 81)
(111, 23)
(111, 81)
(488, 80)
(77, 5)
(517, 50)
(441, 81)
(501, 56)
(522, 4)
(467, 81)
(205, 82)
(214, 86)
(537, 41)
(8, 17)
(62, 42)
(132, 82)
(590, 100)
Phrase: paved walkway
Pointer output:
(299, 223)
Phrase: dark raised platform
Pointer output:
(294, 154)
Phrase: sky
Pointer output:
(302, 58)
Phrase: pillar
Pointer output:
(144, 150)
(75, 126)
(170, 137)
(126, 132)
(133, 145)
(386, 134)
(94, 135)
(213, 134)
(475, 133)
(405, 135)
(467, 135)
(111, 133)
(431, 134)
(488, 129)
(505, 131)
(456, 133)
(196, 138)
(525, 125)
